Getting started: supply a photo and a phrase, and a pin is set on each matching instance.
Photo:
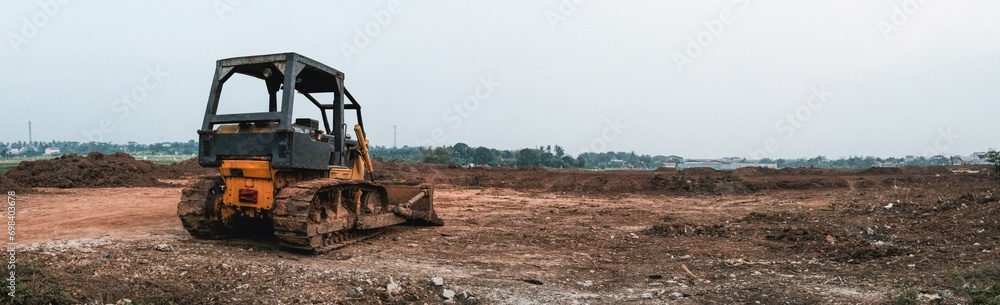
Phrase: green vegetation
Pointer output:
(908, 297)
(36, 149)
(34, 287)
(980, 285)
(551, 156)
(993, 157)
(6, 166)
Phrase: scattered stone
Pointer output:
(448, 295)
(437, 280)
(646, 295)
(929, 297)
(945, 293)
(392, 288)
(676, 295)
(164, 248)
(532, 281)
(357, 291)
(585, 283)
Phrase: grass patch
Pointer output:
(4, 167)
(980, 285)
(990, 295)
(908, 297)
(34, 287)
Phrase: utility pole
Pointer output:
(29, 133)
(393, 136)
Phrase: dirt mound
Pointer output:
(701, 181)
(754, 171)
(669, 170)
(189, 168)
(701, 171)
(94, 170)
(882, 171)
(405, 172)
(8, 185)
(926, 170)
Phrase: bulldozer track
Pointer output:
(196, 208)
(303, 221)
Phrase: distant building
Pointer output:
(724, 164)
(978, 158)
(15, 151)
(52, 151)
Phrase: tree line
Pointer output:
(461, 154)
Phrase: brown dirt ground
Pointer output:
(797, 236)
(96, 170)
(9, 185)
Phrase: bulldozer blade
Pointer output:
(415, 203)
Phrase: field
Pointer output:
(540, 236)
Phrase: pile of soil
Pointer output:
(8, 185)
(695, 181)
(94, 170)
(190, 168)
(881, 171)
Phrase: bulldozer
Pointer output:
(312, 187)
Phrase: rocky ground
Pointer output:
(536, 236)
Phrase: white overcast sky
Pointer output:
(900, 77)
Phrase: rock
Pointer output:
(646, 295)
(676, 295)
(392, 288)
(357, 291)
(655, 276)
(945, 293)
(437, 280)
(585, 283)
(929, 297)
(164, 247)
(448, 294)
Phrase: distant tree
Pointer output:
(993, 157)
(528, 157)
(483, 155)
(437, 155)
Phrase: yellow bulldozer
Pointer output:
(312, 187)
